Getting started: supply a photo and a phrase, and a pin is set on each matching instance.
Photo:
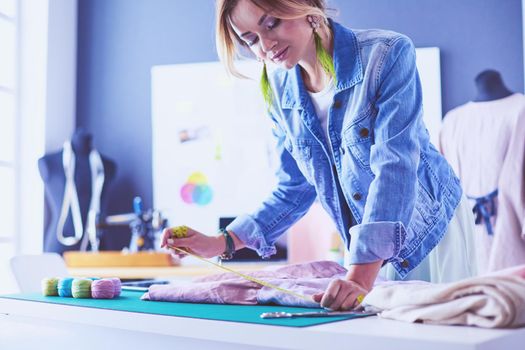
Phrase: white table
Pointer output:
(31, 325)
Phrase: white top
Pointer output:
(322, 101)
(475, 138)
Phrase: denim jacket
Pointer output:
(387, 188)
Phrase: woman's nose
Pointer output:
(267, 44)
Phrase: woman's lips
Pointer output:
(281, 55)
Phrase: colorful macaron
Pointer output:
(102, 289)
(49, 286)
(117, 284)
(81, 288)
(64, 287)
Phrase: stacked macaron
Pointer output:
(102, 289)
(64, 287)
(117, 284)
(49, 286)
(81, 288)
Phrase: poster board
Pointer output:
(212, 143)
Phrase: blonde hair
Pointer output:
(227, 40)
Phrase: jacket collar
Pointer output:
(347, 64)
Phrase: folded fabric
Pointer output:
(491, 301)
(518, 270)
(228, 288)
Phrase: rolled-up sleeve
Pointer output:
(288, 203)
(394, 159)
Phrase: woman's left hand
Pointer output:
(341, 295)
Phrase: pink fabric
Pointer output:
(518, 271)
(228, 288)
(495, 300)
(484, 142)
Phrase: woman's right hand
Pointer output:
(194, 242)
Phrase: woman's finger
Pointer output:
(180, 242)
(317, 297)
(177, 254)
(166, 234)
(344, 293)
(178, 250)
(181, 255)
(351, 301)
(330, 293)
(181, 250)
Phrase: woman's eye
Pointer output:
(272, 22)
(251, 40)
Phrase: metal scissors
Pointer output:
(281, 314)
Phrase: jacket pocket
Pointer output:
(357, 139)
(424, 215)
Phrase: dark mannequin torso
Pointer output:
(52, 172)
(490, 86)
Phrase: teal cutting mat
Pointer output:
(130, 301)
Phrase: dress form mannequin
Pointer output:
(53, 174)
(490, 86)
(483, 142)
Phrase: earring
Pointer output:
(314, 21)
(266, 88)
(324, 58)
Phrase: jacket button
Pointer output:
(337, 104)
(405, 264)
(357, 196)
(364, 132)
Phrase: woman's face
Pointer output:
(284, 42)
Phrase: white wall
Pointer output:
(46, 112)
(61, 72)
(47, 105)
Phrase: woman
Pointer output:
(348, 117)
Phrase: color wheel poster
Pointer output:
(213, 153)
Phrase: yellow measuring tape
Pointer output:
(181, 231)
